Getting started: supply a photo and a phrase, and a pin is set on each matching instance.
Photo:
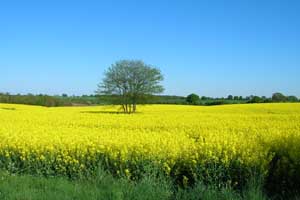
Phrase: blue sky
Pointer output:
(213, 48)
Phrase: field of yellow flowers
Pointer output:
(227, 143)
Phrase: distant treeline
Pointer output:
(65, 100)
(276, 97)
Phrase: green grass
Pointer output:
(26, 187)
(105, 186)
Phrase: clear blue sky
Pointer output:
(213, 48)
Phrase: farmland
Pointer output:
(226, 143)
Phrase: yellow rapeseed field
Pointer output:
(179, 139)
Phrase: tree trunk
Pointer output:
(134, 104)
(134, 107)
(129, 111)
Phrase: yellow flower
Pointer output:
(75, 139)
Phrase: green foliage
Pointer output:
(131, 81)
(292, 99)
(278, 97)
(30, 99)
(230, 97)
(256, 99)
(86, 100)
(193, 99)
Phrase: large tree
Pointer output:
(131, 81)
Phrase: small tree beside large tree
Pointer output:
(131, 81)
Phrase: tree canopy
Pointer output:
(132, 81)
(193, 99)
(278, 97)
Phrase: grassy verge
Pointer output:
(105, 186)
